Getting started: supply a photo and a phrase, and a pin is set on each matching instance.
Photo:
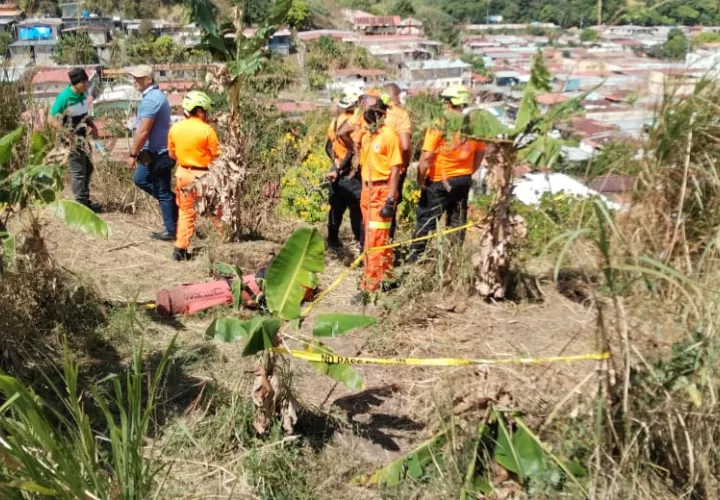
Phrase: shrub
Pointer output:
(302, 192)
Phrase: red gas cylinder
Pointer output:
(191, 298)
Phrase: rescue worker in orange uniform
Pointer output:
(344, 178)
(381, 163)
(193, 144)
(399, 120)
(445, 171)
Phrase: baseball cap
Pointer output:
(77, 75)
(141, 71)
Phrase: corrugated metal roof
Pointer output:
(437, 64)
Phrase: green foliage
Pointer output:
(5, 41)
(476, 61)
(617, 157)
(540, 77)
(589, 35)
(340, 372)
(676, 46)
(293, 270)
(332, 325)
(76, 49)
(300, 16)
(54, 452)
(501, 440)
(402, 8)
(439, 25)
(554, 216)
(326, 53)
(705, 37)
(303, 193)
(79, 216)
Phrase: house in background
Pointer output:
(10, 14)
(354, 80)
(37, 40)
(436, 74)
(99, 36)
(47, 83)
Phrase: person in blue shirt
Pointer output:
(149, 150)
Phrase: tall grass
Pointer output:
(58, 452)
(656, 412)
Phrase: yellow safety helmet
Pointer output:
(196, 99)
(458, 95)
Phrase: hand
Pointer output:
(332, 176)
(389, 209)
(130, 162)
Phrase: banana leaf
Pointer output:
(293, 270)
(80, 217)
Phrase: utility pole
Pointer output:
(599, 13)
(582, 20)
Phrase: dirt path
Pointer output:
(398, 407)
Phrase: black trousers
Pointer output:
(436, 200)
(81, 169)
(345, 195)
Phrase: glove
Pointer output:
(389, 209)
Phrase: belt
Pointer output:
(204, 169)
(376, 183)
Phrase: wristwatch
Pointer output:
(132, 156)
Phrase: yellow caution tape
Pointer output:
(334, 359)
(357, 261)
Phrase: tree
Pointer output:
(76, 49)
(300, 16)
(145, 28)
(676, 46)
(256, 11)
(476, 61)
(5, 40)
(589, 35)
(403, 8)
(540, 77)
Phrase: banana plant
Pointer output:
(291, 273)
(501, 439)
(36, 185)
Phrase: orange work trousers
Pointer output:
(186, 206)
(378, 264)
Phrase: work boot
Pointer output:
(180, 254)
(333, 243)
(95, 207)
(164, 236)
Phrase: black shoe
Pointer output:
(95, 207)
(333, 244)
(180, 254)
(164, 236)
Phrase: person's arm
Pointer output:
(90, 122)
(344, 134)
(431, 143)
(55, 115)
(329, 150)
(171, 145)
(396, 167)
(423, 167)
(141, 136)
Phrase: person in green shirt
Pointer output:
(69, 116)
